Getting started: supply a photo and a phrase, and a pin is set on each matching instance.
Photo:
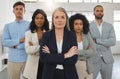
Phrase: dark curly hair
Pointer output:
(33, 26)
(84, 20)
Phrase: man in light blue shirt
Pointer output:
(14, 38)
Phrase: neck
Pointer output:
(59, 31)
(99, 21)
(59, 34)
(39, 30)
(18, 19)
(78, 34)
(79, 37)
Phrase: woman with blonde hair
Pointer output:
(58, 49)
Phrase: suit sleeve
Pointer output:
(21, 46)
(30, 49)
(73, 59)
(88, 52)
(110, 41)
(52, 58)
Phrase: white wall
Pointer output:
(6, 14)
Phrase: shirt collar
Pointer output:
(97, 23)
(19, 21)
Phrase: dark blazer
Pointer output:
(51, 60)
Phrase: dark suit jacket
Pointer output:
(51, 60)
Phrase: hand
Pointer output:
(22, 40)
(45, 49)
(89, 47)
(30, 43)
(94, 40)
(72, 51)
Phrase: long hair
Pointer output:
(33, 26)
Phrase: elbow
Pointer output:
(42, 58)
(3, 43)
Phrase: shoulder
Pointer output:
(46, 34)
(87, 36)
(92, 23)
(26, 22)
(68, 32)
(107, 24)
(28, 32)
(6, 26)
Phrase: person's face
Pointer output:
(98, 12)
(78, 25)
(39, 20)
(59, 19)
(19, 11)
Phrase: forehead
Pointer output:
(59, 13)
(19, 6)
(39, 15)
(99, 8)
(77, 20)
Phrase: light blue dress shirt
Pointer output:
(11, 36)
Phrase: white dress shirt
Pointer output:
(59, 46)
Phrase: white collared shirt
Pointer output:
(59, 46)
(80, 45)
(99, 27)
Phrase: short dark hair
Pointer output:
(97, 6)
(79, 17)
(18, 3)
(33, 26)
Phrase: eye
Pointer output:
(21, 9)
(16, 8)
(56, 17)
(62, 17)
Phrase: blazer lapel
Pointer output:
(65, 39)
(83, 40)
(103, 30)
(53, 39)
(96, 29)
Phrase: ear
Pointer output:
(13, 11)
(24, 11)
(93, 13)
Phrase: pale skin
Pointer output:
(59, 21)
